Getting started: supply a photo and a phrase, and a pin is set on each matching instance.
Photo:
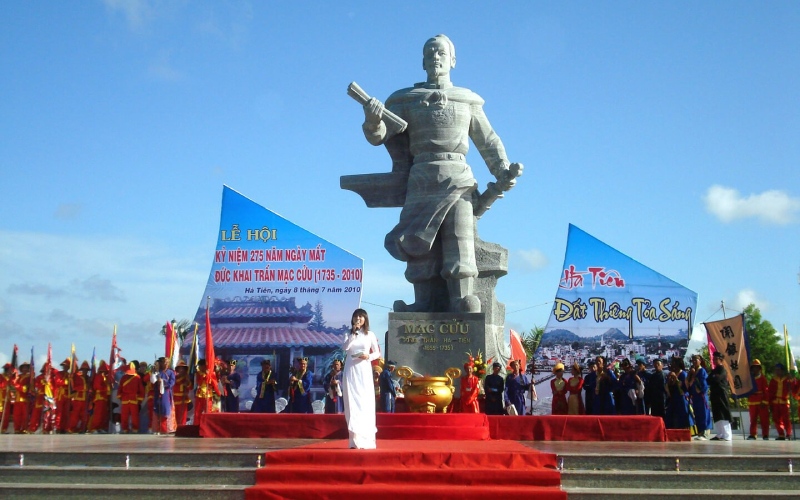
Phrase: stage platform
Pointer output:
(94, 466)
(457, 426)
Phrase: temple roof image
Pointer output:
(268, 337)
(260, 324)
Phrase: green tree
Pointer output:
(531, 341)
(317, 321)
(763, 339)
(182, 327)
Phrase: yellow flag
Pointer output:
(790, 362)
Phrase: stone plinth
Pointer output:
(430, 343)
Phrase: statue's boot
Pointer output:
(461, 297)
(423, 299)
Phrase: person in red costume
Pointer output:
(6, 379)
(131, 395)
(101, 387)
(22, 387)
(78, 408)
(206, 386)
(63, 396)
(470, 385)
(574, 387)
(780, 388)
(758, 402)
(181, 392)
(42, 406)
(146, 420)
(558, 386)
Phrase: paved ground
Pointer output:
(167, 444)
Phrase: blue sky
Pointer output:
(667, 130)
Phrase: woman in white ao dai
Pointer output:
(360, 347)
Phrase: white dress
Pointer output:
(359, 389)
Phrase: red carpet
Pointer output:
(679, 435)
(440, 426)
(423, 426)
(578, 428)
(406, 469)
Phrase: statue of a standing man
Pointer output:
(436, 232)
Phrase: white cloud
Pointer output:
(68, 211)
(162, 68)
(532, 260)
(745, 297)
(98, 288)
(65, 289)
(93, 287)
(36, 289)
(228, 23)
(136, 12)
(774, 207)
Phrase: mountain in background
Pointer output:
(562, 336)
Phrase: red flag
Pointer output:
(210, 358)
(518, 352)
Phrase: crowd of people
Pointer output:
(132, 397)
(139, 398)
(697, 399)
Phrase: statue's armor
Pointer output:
(441, 186)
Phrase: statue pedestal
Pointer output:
(430, 343)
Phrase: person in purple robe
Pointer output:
(333, 388)
(300, 388)
(232, 381)
(698, 391)
(517, 383)
(264, 401)
(604, 402)
(163, 380)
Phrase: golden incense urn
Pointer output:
(428, 394)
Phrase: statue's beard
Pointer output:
(437, 71)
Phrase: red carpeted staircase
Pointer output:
(403, 469)
(430, 426)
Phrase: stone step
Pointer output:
(136, 475)
(674, 494)
(135, 459)
(661, 480)
(686, 462)
(150, 489)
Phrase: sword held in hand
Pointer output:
(390, 119)
(495, 190)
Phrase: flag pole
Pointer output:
(32, 387)
(735, 397)
(112, 361)
(789, 363)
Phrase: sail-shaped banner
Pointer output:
(276, 292)
(602, 290)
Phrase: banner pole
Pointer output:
(741, 418)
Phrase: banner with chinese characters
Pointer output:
(606, 296)
(729, 337)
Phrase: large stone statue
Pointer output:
(426, 129)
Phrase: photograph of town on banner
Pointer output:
(609, 304)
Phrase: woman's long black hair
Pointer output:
(362, 313)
